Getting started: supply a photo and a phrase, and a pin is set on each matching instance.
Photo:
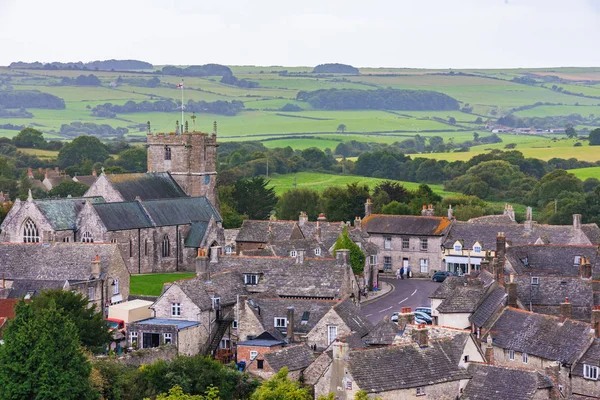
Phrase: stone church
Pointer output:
(158, 219)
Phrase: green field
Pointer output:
(584, 173)
(152, 284)
(320, 182)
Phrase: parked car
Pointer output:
(394, 317)
(422, 318)
(426, 310)
(441, 276)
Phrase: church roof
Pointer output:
(123, 216)
(146, 186)
(62, 213)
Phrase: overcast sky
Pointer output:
(377, 33)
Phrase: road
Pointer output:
(408, 293)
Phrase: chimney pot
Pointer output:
(300, 256)
(290, 325)
(303, 218)
(566, 310)
(214, 254)
(322, 217)
(576, 221)
(368, 207)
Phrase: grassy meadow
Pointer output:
(584, 173)
(152, 284)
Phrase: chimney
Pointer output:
(300, 256)
(337, 385)
(94, 173)
(202, 269)
(421, 335)
(290, 325)
(214, 254)
(318, 230)
(577, 221)
(489, 350)
(510, 212)
(566, 310)
(303, 218)
(322, 218)
(528, 225)
(368, 207)
(341, 256)
(358, 223)
(511, 291)
(424, 210)
(30, 173)
(450, 212)
(596, 320)
(485, 265)
(405, 317)
(56, 170)
(3, 281)
(95, 270)
(585, 268)
(498, 271)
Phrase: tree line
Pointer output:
(30, 99)
(221, 107)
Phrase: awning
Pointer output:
(463, 260)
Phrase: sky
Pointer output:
(375, 33)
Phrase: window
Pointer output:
(535, 280)
(253, 354)
(225, 343)
(166, 247)
(116, 284)
(457, 247)
(331, 333)
(525, 358)
(130, 248)
(133, 338)
(260, 364)
(66, 239)
(113, 240)
(511, 355)
(216, 303)
(168, 338)
(146, 247)
(167, 153)
(577, 260)
(305, 317)
(176, 309)
(228, 250)
(87, 237)
(30, 232)
(478, 333)
(424, 265)
(207, 179)
(293, 253)
(387, 243)
(280, 322)
(420, 391)
(560, 388)
(373, 260)
(251, 279)
(477, 249)
(424, 244)
(590, 372)
(318, 251)
(387, 262)
(405, 243)
(92, 293)
(466, 358)
(234, 324)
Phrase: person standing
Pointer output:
(401, 272)
(407, 272)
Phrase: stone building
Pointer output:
(128, 187)
(95, 270)
(264, 359)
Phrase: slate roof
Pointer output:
(492, 219)
(463, 299)
(57, 261)
(591, 357)
(295, 358)
(86, 179)
(353, 317)
(123, 216)
(62, 213)
(56, 180)
(486, 233)
(21, 287)
(407, 366)
(265, 231)
(446, 288)
(196, 234)
(541, 335)
(382, 334)
(499, 383)
(406, 225)
(225, 285)
(488, 306)
(148, 186)
(550, 259)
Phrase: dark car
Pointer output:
(441, 276)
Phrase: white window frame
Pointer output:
(216, 302)
(253, 354)
(387, 243)
(577, 260)
(293, 253)
(477, 249)
(225, 343)
(466, 358)
(590, 372)
(234, 324)
(405, 243)
(228, 250)
(251, 279)
(169, 337)
(280, 322)
(91, 293)
(424, 264)
(421, 391)
(424, 244)
(373, 259)
(525, 358)
(535, 280)
(332, 332)
(133, 336)
(318, 251)
(175, 309)
(116, 282)
(457, 248)
(511, 355)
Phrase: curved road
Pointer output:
(408, 293)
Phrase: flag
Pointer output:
(180, 85)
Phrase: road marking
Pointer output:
(368, 315)
(389, 308)
(403, 301)
(414, 292)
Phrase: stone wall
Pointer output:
(12, 226)
(319, 366)
(190, 341)
(243, 354)
(189, 311)
(440, 391)
(586, 387)
(248, 323)
(148, 356)
(319, 333)
(102, 187)
(502, 357)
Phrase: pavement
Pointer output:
(405, 293)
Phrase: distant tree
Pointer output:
(68, 187)
(341, 128)
(357, 257)
(80, 149)
(479, 120)
(42, 358)
(344, 204)
(133, 160)
(552, 184)
(595, 137)
(396, 208)
(295, 200)
(176, 393)
(30, 138)
(570, 132)
(452, 120)
(280, 387)
(475, 137)
(254, 198)
(509, 146)
(590, 184)
(90, 80)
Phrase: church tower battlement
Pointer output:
(190, 157)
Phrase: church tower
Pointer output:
(190, 157)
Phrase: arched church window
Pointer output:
(87, 237)
(167, 153)
(30, 232)
(166, 247)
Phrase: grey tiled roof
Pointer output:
(447, 287)
(21, 287)
(58, 261)
(86, 179)
(549, 259)
(488, 306)
(62, 213)
(294, 357)
(500, 383)
(407, 366)
(353, 317)
(382, 334)
(591, 357)
(123, 216)
(541, 335)
(463, 299)
(180, 211)
(225, 285)
(146, 186)
(196, 234)
(492, 219)
(265, 231)
(406, 225)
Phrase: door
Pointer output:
(405, 263)
(331, 333)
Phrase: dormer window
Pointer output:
(216, 303)
(318, 251)
(293, 253)
(458, 247)
(577, 260)
(228, 250)
(535, 280)
(251, 279)
(167, 153)
(280, 322)
(477, 248)
(590, 372)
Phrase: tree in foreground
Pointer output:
(279, 387)
(42, 357)
(357, 257)
(254, 198)
(176, 393)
